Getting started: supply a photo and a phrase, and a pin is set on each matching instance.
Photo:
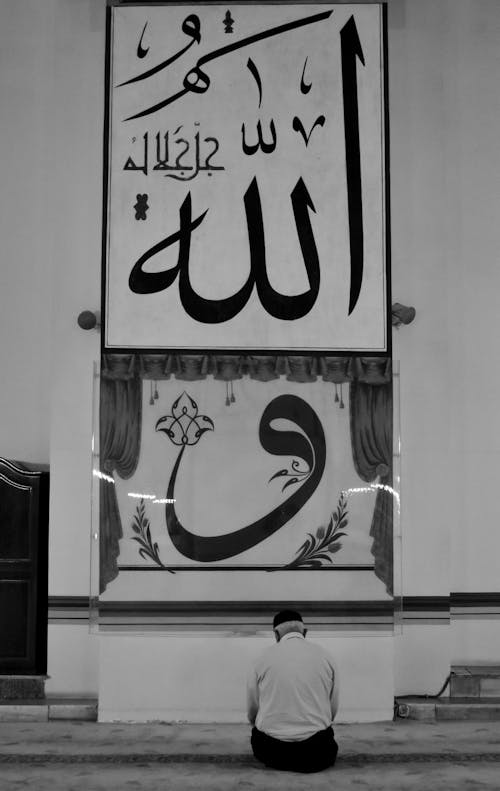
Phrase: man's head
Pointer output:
(288, 621)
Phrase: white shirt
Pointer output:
(292, 691)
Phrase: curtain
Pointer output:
(120, 437)
(370, 380)
(371, 439)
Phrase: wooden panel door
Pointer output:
(24, 509)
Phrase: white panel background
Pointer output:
(219, 258)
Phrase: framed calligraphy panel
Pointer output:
(220, 465)
(246, 178)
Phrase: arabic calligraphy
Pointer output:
(310, 447)
(278, 91)
(142, 51)
(255, 73)
(197, 81)
(276, 304)
(191, 27)
(215, 311)
(305, 87)
(187, 160)
(141, 207)
(350, 50)
(266, 148)
(299, 127)
(131, 165)
(228, 23)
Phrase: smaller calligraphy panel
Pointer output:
(245, 474)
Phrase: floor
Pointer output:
(400, 756)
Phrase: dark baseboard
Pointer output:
(257, 614)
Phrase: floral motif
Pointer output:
(184, 426)
(317, 550)
(140, 526)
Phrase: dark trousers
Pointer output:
(310, 755)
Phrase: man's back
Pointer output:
(292, 689)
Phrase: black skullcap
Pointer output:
(286, 615)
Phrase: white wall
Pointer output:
(52, 94)
(73, 661)
(445, 108)
(420, 277)
(475, 185)
(202, 677)
(445, 116)
(26, 267)
(77, 127)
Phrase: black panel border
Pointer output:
(110, 4)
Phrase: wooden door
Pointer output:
(24, 510)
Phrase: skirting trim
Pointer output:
(254, 616)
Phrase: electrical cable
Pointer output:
(428, 697)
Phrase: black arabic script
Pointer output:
(197, 81)
(215, 311)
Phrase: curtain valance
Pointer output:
(263, 368)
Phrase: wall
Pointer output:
(52, 95)
(445, 113)
(446, 190)
(26, 271)
(444, 63)
(178, 665)
(77, 127)
(420, 236)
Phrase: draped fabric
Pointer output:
(370, 380)
(264, 368)
(371, 439)
(120, 437)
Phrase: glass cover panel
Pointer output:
(223, 485)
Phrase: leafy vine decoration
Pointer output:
(141, 526)
(317, 550)
(296, 475)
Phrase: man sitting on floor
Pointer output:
(292, 699)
